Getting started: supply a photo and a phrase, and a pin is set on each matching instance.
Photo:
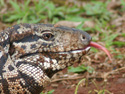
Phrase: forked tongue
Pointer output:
(95, 45)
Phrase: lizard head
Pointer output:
(51, 48)
(61, 47)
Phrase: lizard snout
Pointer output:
(85, 38)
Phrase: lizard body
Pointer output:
(31, 53)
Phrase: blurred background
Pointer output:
(104, 20)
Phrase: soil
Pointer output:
(108, 78)
(114, 85)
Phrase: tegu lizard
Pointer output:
(30, 54)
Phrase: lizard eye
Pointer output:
(47, 36)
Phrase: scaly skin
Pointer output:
(30, 54)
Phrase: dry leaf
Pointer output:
(114, 4)
(90, 24)
(67, 23)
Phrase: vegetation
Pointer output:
(80, 69)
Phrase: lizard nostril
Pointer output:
(83, 38)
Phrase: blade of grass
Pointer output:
(78, 85)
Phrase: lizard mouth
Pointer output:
(84, 50)
(87, 48)
(73, 53)
(77, 51)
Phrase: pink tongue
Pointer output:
(95, 45)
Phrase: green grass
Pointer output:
(80, 69)
(94, 91)
(98, 91)
(2, 3)
(37, 11)
(77, 86)
(32, 13)
(49, 92)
